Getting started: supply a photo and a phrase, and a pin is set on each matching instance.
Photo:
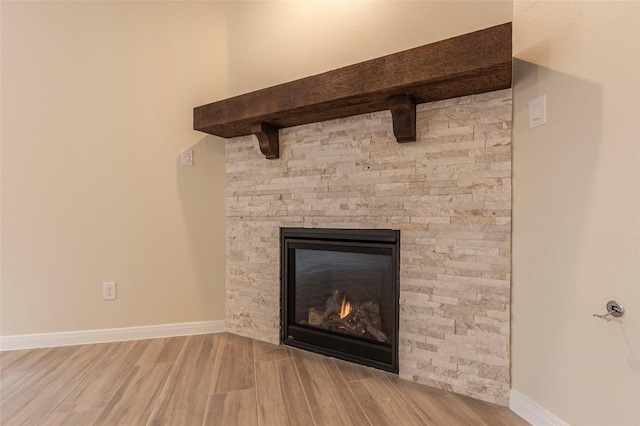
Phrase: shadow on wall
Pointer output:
(558, 159)
(553, 179)
(575, 227)
(202, 194)
(570, 221)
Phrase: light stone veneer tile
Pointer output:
(450, 195)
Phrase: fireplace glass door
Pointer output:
(340, 293)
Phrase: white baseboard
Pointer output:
(69, 338)
(532, 412)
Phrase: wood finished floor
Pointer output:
(218, 379)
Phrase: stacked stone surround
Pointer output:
(449, 193)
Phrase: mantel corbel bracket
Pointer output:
(268, 139)
(403, 114)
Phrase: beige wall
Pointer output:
(275, 42)
(97, 103)
(576, 210)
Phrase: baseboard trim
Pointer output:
(532, 412)
(70, 338)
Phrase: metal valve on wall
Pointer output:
(614, 309)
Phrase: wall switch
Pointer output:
(109, 291)
(186, 157)
(538, 111)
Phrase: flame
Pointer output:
(346, 308)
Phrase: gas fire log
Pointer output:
(362, 320)
(371, 328)
(373, 309)
(340, 325)
(315, 316)
(333, 305)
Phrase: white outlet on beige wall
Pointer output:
(109, 291)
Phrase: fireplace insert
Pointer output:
(340, 290)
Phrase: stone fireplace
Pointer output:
(448, 193)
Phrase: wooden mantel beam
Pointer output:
(472, 63)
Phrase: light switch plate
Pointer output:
(538, 111)
(186, 157)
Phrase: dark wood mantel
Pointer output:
(472, 63)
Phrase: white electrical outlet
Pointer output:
(109, 291)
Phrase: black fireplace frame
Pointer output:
(380, 355)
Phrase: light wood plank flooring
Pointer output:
(218, 379)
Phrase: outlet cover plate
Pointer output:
(109, 291)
